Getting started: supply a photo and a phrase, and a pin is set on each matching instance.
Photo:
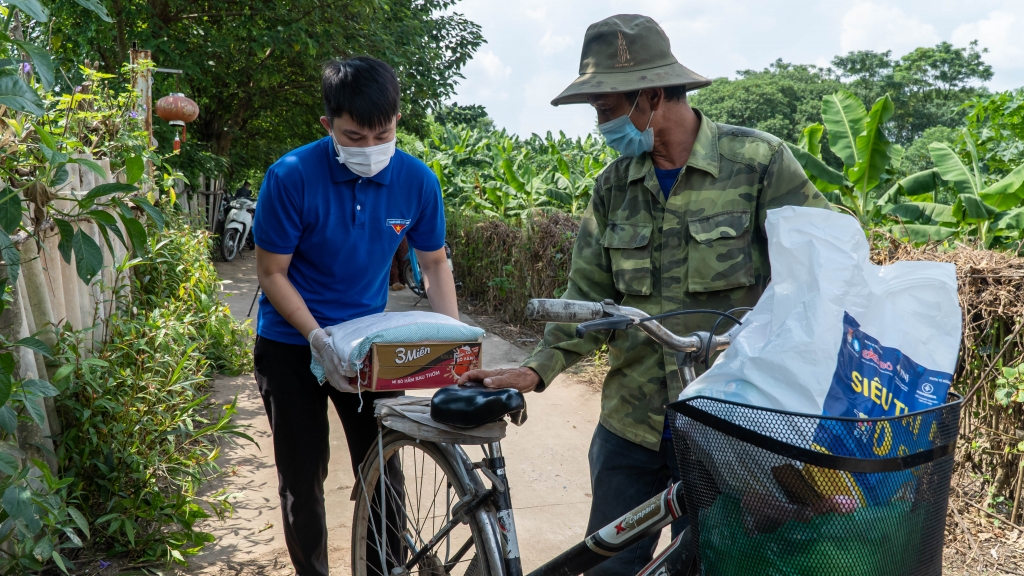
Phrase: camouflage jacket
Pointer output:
(704, 247)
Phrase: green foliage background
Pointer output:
(254, 67)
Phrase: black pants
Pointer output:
(624, 475)
(296, 405)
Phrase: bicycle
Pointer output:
(465, 515)
(754, 479)
(413, 278)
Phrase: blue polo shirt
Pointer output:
(342, 231)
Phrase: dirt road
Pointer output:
(547, 459)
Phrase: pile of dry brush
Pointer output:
(991, 287)
(502, 266)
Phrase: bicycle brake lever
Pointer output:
(613, 322)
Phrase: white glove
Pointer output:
(320, 346)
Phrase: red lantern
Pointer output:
(177, 109)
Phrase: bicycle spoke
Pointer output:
(409, 521)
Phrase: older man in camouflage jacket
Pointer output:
(676, 223)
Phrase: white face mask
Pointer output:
(365, 162)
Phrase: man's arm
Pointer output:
(438, 282)
(272, 272)
(785, 184)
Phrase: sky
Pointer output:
(533, 46)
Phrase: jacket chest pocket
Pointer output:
(720, 251)
(629, 246)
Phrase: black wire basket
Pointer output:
(777, 493)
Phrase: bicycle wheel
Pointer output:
(409, 279)
(421, 488)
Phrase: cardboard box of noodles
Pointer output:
(418, 365)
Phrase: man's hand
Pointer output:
(320, 345)
(522, 379)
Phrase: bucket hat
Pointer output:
(625, 53)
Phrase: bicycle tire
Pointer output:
(229, 244)
(392, 444)
(409, 279)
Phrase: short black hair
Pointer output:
(246, 183)
(365, 88)
(671, 93)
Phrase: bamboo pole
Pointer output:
(52, 274)
(74, 181)
(37, 293)
(86, 176)
(39, 320)
(30, 327)
(68, 270)
(13, 326)
(96, 291)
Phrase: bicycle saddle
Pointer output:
(471, 405)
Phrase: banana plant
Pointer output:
(857, 136)
(989, 213)
(498, 175)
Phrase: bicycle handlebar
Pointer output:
(563, 311)
(594, 316)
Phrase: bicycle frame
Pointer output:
(641, 522)
(660, 511)
(416, 275)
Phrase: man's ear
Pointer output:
(655, 97)
(326, 123)
(397, 118)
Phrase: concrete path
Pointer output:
(547, 463)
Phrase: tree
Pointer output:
(254, 66)
(472, 116)
(998, 122)
(780, 99)
(927, 86)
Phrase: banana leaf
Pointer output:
(1012, 220)
(913, 186)
(922, 212)
(921, 233)
(1007, 193)
(810, 140)
(970, 208)
(953, 169)
(822, 175)
(872, 148)
(844, 115)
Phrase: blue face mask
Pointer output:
(624, 137)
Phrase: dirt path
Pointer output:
(547, 460)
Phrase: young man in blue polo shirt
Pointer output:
(331, 215)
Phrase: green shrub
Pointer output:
(503, 265)
(140, 434)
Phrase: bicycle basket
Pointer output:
(772, 492)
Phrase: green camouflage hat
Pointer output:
(625, 53)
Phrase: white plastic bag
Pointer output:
(785, 356)
(835, 335)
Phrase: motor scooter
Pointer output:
(237, 227)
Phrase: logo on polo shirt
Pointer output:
(397, 224)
